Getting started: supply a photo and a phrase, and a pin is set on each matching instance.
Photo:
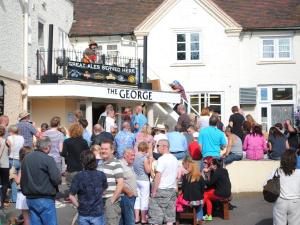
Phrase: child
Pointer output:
(193, 188)
(21, 199)
(96, 151)
(89, 186)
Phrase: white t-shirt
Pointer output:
(204, 121)
(290, 185)
(158, 137)
(17, 142)
(167, 165)
(109, 123)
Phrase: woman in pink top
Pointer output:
(144, 135)
(255, 144)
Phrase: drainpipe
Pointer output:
(145, 59)
(25, 54)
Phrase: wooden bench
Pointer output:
(225, 204)
(188, 213)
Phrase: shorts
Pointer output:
(21, 201)
(162, 207)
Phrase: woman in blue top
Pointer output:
(277, 142)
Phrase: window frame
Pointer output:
(188, 42)
(276, 45)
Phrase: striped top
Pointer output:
(113, 170)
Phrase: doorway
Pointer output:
(281, 113)
(98, 108)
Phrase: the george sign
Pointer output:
(1, 97)
(127, 94)
(101, 73)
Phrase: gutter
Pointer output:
(272, 29)
(100, 35)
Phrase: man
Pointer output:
(26, 129)
(178, 143)
(110, 122)
(124, 139)
(129, 189)
(236, 121)
(291, 134)
(177, 87)
(163, 194)
(103, 115)
(211, 139)
(139, 119)
(86, 134)
(39, 183)
(100, 135)
(160, 133)
(89, 54)
(194, 149)
(112, 168)
(184, 119)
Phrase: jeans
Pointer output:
(16, 164)
(200, 212)
(42, 211)
(89, 220)
(179, 155)
(232, 157)
(127, 209)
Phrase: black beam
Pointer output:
(50, 49)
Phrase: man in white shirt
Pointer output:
(163, 194)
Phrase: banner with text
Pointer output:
(101, 73)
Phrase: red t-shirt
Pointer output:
(194, 150)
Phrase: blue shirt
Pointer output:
(141, 120)
(177, 141)
(89, 186)
(298, 162)
(211, 140)
(124, 139)
(87, 136)
(27, 130)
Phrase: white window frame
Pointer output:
(44, 34)
(188, 59)
(275, 40)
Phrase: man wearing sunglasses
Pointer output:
(163, 194)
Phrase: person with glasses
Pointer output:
(163, 194)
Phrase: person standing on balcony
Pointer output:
(177, 87)
(184, 120)
(89, 54)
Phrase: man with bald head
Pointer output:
(129, 189)
(124, 139)
(163, 193)
(139, 119)
(99, 135)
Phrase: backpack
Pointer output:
(271, 190)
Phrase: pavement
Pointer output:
(251, 209)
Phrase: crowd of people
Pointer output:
(138, 174)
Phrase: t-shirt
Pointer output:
(211, 140)
(57, 139)
(194, 150)
(278, 145)
(184, 122)
(17, 142)
(167, 165)
(237, 119)
(289, 185)
(109, 123)
(27, 130)
(113, 170)
(129, 177)
(89, 186)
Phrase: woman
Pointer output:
(286, 208)
(4, 164)
(72, 148)
(234, 149)
(204, 118)
(144, 135)
(15, 142)
(218, 187)
(248, 124)
(142, 167)
(277, 142)
(255, 144)
(193, 188)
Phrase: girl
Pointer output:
(193, 188)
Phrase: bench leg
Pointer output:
(226, 210)
(194, 216)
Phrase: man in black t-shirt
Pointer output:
(236, 121)
(292, 134)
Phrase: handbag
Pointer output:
(271, 190)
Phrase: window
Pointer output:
(112, 50)
(41, 35)
(276, 48)
(264, 94)
(188, 47)
(282, 93)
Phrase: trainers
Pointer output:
(207, 218)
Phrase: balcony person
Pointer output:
(89, 54)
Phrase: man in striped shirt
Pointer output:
(112, 168)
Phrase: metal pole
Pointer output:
(145, 60)
(64, 63)
(50, 49)
(38, 64)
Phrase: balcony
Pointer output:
(67, 64)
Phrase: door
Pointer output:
(281, 113)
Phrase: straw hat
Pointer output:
(23, 114)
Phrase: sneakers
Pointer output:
(207, 218)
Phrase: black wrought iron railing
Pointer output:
(117, 68)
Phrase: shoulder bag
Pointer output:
(271, 190)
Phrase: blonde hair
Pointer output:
(194, 172)
(143, 147)
(146, 129)
(75, 130)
